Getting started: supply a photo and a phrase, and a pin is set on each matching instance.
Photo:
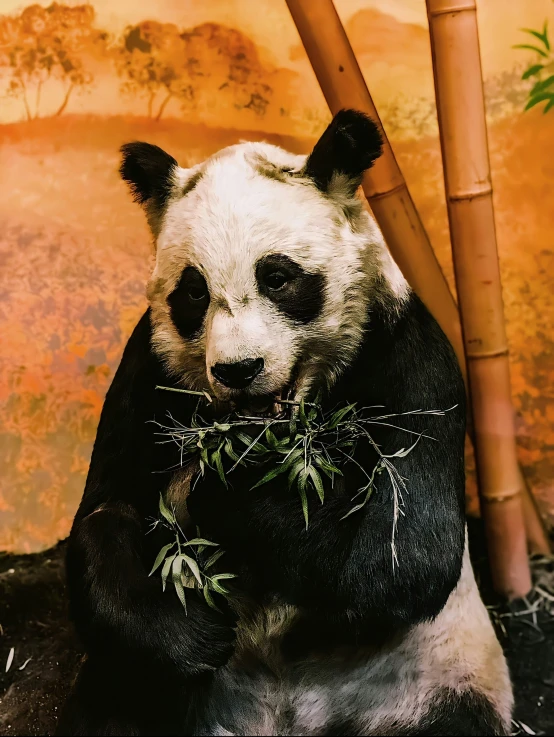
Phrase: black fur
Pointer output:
(349, 146)
(188, 303)
(457, 714)
(147, 169)
(302, 295)
(339, 572)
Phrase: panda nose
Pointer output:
(238, 375)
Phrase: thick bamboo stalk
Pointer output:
(343, 86)
(463, 134)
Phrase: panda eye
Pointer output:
(197, 292)
(276, 279)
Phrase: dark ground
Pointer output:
(33, 621)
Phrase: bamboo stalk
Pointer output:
(343, 86)
(465, 155)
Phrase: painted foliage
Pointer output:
(77, 80)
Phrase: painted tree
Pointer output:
(152, 63)
(160, 62)
(40, 45)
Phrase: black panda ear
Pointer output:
(148, 170)
(349, 146)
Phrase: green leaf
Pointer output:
(539, 98)
(531, 48)
(216, 460)
(302, 415)
(337, 418)
(213, 559)
(317, 482)
(292, 426)
(176, 570)
(327, 467)
(312, 414)
(354, 509)
(223, 576)
(535, 69)
(292, 457)
(542, 85)
(229, 450)
(304, 500)
(201, 541)
(160, 557)
(193, 565)
(217, 587)
(270, 475)
(164, 511)
(166, 568)
(208, 597)
(296, 469)
(541, 36)
(271, 439)
(549, 106)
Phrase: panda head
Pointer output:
(266, 263)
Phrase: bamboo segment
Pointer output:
(343, 86)
(463, 134)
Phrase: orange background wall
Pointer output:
(77, 81)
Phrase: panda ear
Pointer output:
(148, 170)
(349, 146)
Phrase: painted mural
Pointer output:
(77, 80)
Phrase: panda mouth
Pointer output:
(271, 406)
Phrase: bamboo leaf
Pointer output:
(549, 106)
(208, 597)
(537, 34)
(329, 468)
(222, 428)
(222, 576)
(164, 511)
(304, 500)
(229, 450)
(176, 569)
(302, 415)
(193, 565)
(201, 541)
(337, 418)
(165, 570)
(537, 99)
(216, 460)
(213, 559)
(180, 593)
(271, 439)
(542, 85)
(160, 557)
(535, 69)
(317, 482)
(354, 509)
(217, 587)
(296, 469)
(531, 48)
(270, 475)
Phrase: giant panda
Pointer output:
(271, 280)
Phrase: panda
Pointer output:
(271, 280)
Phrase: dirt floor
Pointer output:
(34, 622)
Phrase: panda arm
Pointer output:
(115, 605)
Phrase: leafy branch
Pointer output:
(541, 72)
(306, 447)
(182, 559)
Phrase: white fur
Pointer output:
(232, 218)
(378, 691)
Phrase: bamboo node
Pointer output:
(387, 193)
(471, 194)
(458, 7)
(499, 498)
(475, 356)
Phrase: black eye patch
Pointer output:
(188, 302)
(296, 293)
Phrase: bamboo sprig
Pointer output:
(182, 559)
(314, 444)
